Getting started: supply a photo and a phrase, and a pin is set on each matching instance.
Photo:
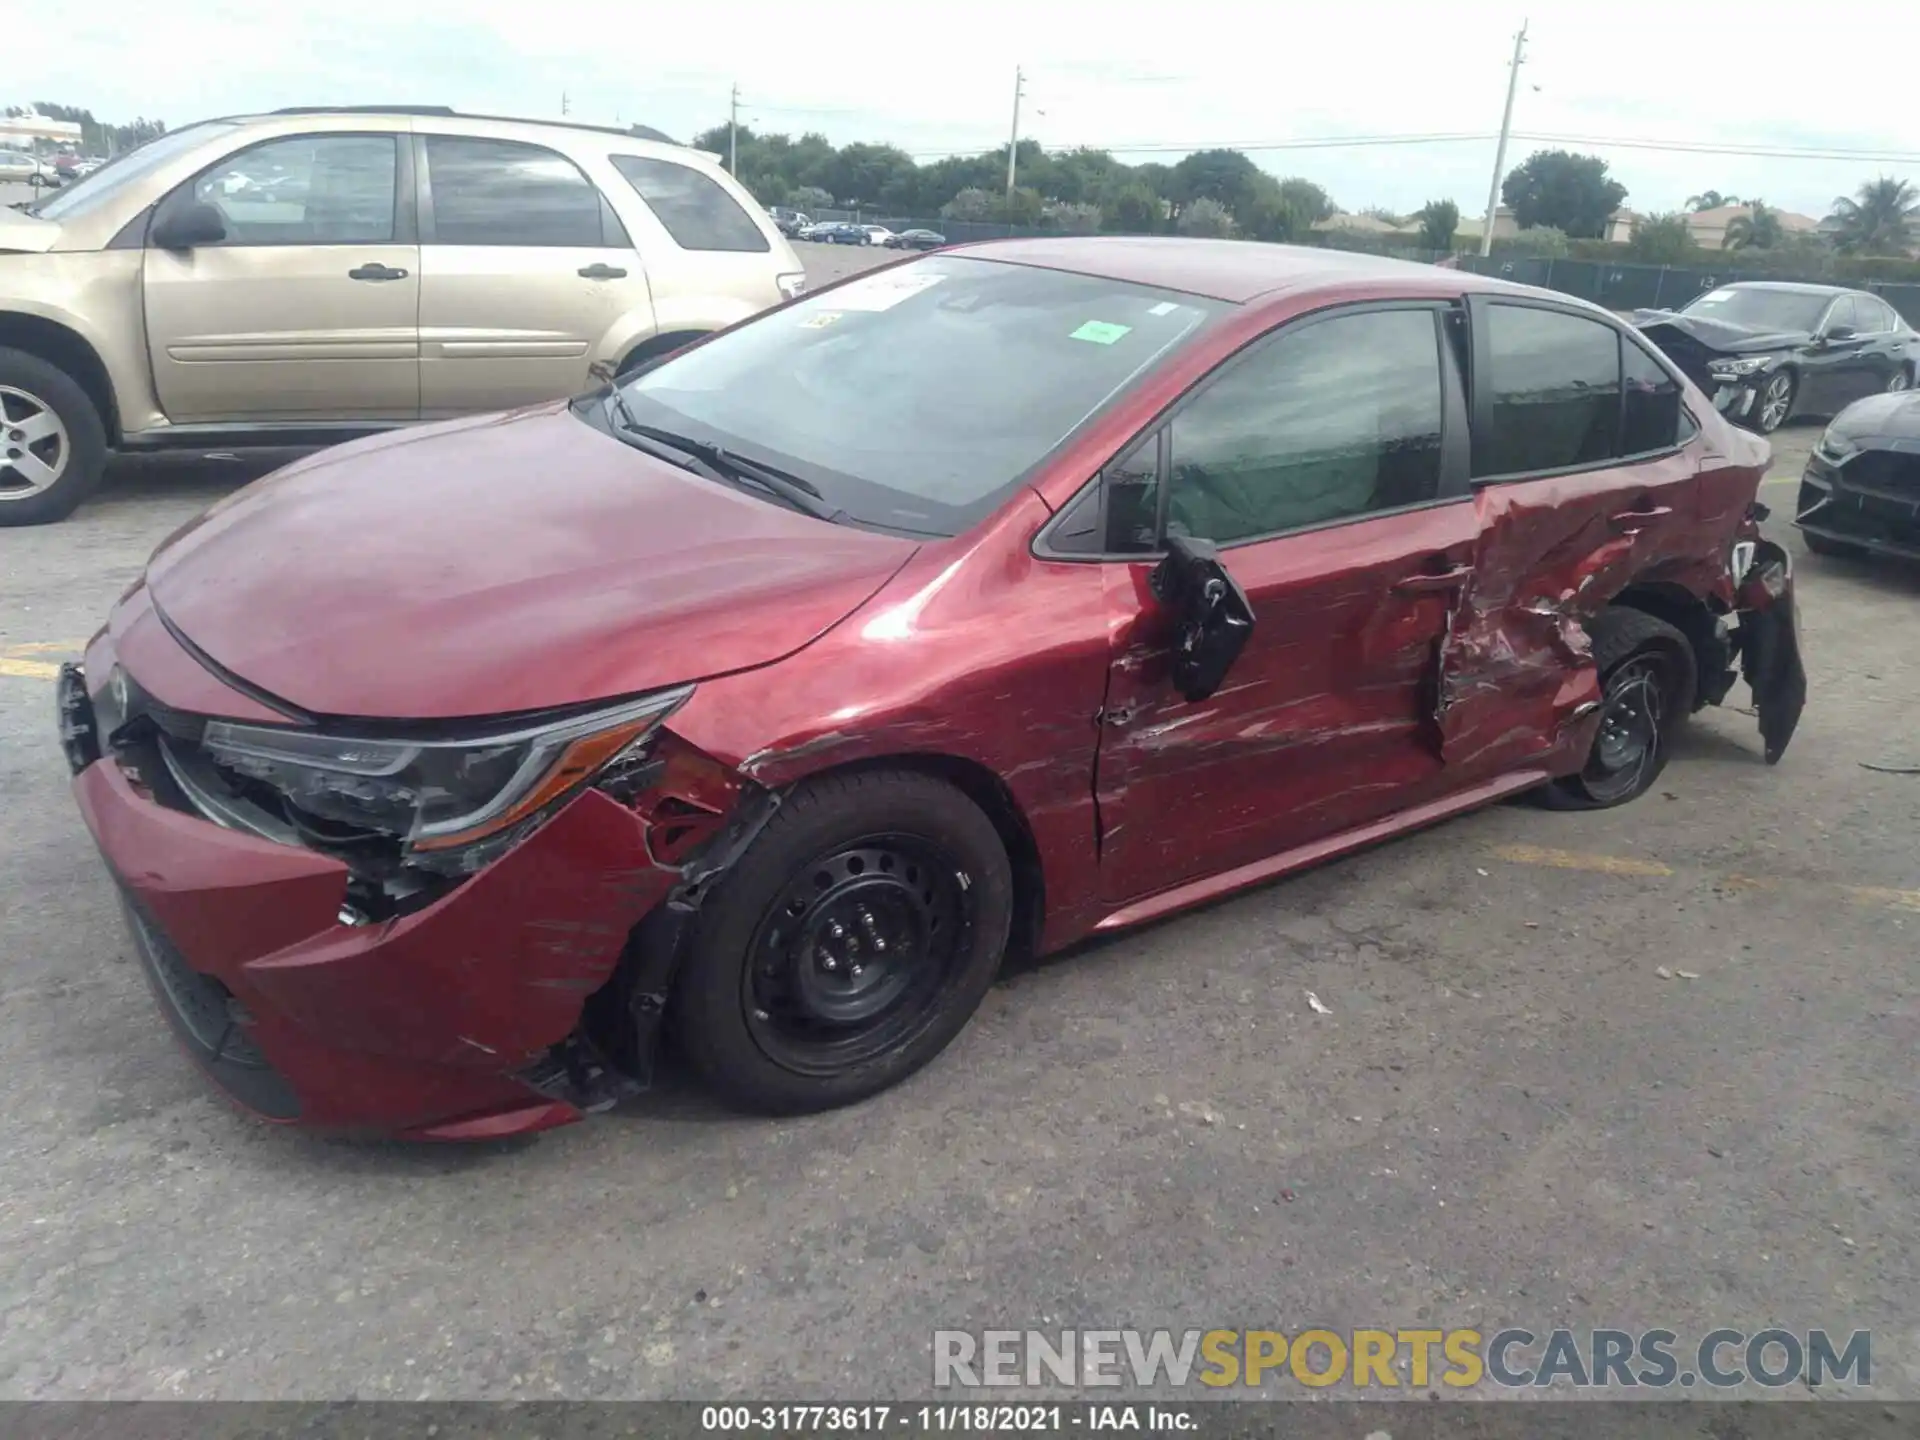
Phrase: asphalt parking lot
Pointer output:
(1653, 1067)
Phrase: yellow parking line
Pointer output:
(1880, 895)
(28, 669)
(1539, 855)
(14, 661)
(1579, 860)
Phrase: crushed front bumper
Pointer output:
(443, 1023)
(1870, 500)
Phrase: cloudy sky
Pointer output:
(1151, 80)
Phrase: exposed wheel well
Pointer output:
(656, 346)
(1693, 618)
(56, 344)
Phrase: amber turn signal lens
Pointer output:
(576, 764)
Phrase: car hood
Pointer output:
(501, 564)
(1718, 335)
(20, 231)
(1893, 416)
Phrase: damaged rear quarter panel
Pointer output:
(1518, 683)
(976, 652)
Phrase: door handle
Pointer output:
(1630, 520)
(1426, 584)
(597, 271)
(376, 271)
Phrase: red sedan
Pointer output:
(771, 695)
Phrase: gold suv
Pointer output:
(302, 277)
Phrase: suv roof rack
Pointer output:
(632, 132)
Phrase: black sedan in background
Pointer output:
(1860, 493)
(916, 240)
(839, 232)
(1766, 351)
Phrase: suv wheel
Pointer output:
(53, 448)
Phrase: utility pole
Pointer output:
(1500, 152)
(733, 134)
(1013, 145)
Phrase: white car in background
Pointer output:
(880, 233)
(19, 168)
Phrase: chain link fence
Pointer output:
(1656, 287)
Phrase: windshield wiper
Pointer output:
(798, 492)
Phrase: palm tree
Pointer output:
(1878, 220)
(1758, 229)
(1710, 200)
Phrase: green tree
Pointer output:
(1076, 217)
(1275, 215)
(1226, 177)
(1205, 216)
(1710, 200)
(1662, 239)
(1439, 219)
(1543, 241)
(1133, 209)
(1021, 207)
(809, 198)
(1569, 192)
(972, 203)
(1758, 229)
(1307, 198)
(1878, 220)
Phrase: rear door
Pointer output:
(308, 309)
(1584, 465)
(525, 267)
(1881, 352)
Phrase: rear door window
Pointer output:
(1650, 415)
(692, 207)
(505, 192)
(1554, 392)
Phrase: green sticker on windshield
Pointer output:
(1100, 332)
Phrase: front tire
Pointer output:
(848, 946)
(53, 446)
(1901, 379)
(1647, 678)
(1774, 405)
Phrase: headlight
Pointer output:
(442, 799)
(1834, 445)
(1734, 369)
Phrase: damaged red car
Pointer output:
(767, 698)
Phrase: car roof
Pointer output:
(447, 112)
(1791, 287)
(1236, 271)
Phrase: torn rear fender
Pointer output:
(1769, 646)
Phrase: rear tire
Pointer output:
(1647, 679)
(53, 446)
(848, 946)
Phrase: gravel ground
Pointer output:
(1508, 1117)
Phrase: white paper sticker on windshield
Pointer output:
(883, 292)
(1712, 295)
(1165, 307)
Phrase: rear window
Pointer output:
(1555, 386)
(695, 210)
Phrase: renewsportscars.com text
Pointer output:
(1390, 1359)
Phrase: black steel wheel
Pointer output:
(1647, 679)
(848, 946)
(858, 954)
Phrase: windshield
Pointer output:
(917, 397)
(1761, 309)
(116, 175)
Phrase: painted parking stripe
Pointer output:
(18, 661)
(1540, 856)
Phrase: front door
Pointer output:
(525, 267)
(1329, 464)
(307, 309)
